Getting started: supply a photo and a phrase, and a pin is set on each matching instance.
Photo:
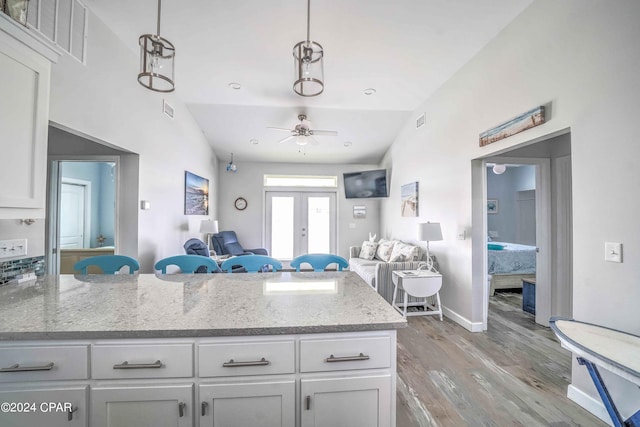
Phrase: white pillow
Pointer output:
(404, 252)
(368, 250)
(385, 247)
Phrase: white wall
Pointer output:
(104, 101)
(580, 58)
(248, 183)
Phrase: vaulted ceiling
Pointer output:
(404, 49)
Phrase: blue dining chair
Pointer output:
(188, 264)
(319, 261)
(251, 263)
(109, 264)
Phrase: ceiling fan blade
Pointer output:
(286, 139)
(323, 132)
(284, 129)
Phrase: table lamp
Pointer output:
(210, 227)
(429, 232)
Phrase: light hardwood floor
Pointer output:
(514, 374)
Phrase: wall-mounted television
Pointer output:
(365, 184)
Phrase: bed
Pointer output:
(509, 263)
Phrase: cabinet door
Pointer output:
(152, 406)
(264, 404)
(51, 407)
(347, 402)
(24, 111)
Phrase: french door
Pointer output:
(300, 222)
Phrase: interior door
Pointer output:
(72, 215)
(300, 222)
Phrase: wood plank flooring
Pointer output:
(514, 374)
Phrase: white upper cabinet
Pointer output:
(24, 114)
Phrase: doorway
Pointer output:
(551, 156)
(83, 201)
(300, 222)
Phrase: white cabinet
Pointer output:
(51, 407)
(243, 404)
(347, 402)
(153, 405)
(305, 380)
(24, 116)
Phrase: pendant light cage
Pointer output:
(157, 66)
(308, 64)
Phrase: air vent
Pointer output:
(421, 120)
(167, 108)
(62, 22)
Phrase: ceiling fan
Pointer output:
(302, 134)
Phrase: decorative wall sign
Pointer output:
(359, 211)
(196, 194)
(511, 127)
(409, 199)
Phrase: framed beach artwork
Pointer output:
(409, 199)
(492, 206)
(196, 194)
(524, 121)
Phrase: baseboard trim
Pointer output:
(462, 321)
(592, 405)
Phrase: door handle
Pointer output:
(181, 407)
(204, 406)
(70, 413)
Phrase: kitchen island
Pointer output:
(271, 349)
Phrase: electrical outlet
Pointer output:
(13, 248)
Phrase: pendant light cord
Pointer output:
(308, 19)
(159, 7)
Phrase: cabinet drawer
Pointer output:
(142, 361)
(345, 354)
(43, 363)
(233, 359)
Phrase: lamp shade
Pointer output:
(208, 226)
(429, 231)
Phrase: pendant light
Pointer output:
(231, 167)
(308, 64)
(156, 61)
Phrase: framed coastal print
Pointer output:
(196, 194)
(409, 199)
(492, 206)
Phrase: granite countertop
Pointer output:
(191, 305)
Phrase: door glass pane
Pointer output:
(282, 227)
(318, 221)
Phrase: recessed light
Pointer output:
(234, 85)
(347, 144)
(254, 141)
(369, 91)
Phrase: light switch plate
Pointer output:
(613, 252)
(13, 248)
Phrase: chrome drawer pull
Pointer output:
(18, 368)
(232, 364)
(346, 358)
(127, 365)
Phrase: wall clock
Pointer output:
(240, 203)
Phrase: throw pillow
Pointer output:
(385, 247)
(405, 252)
(368, 250)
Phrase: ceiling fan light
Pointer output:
(157, 68)
(301, 140)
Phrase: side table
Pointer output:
(419, 284)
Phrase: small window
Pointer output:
(300, 181)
